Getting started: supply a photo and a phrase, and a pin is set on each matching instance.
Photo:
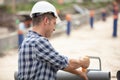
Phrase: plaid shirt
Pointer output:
(38, 60)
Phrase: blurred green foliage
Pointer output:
(24, 6)
(28, 6)
(91, 5)
(5, 9)
(87, 4)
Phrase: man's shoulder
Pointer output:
(36, 39)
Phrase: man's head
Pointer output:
(44, 14)
(42, 7)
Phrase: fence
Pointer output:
(10, 41)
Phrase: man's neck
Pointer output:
(38, 30)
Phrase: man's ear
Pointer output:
(46, 20)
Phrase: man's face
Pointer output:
(50, 27)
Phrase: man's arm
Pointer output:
(78, 72)
(79, 62)
(75, 64)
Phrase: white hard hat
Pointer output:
(44, 7)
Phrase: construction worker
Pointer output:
(103, 14)
(38, 60)
(21, 30)
(115, 16)
(68, 19)
(92, 18)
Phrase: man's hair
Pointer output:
(37, 17)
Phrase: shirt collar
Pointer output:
(30, 32)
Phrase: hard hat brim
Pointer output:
(58, 20)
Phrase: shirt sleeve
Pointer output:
(47, 53)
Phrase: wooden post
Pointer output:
(13, 6)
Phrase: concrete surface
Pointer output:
(83, 41)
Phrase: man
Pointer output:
(115, 15)
(38, 60)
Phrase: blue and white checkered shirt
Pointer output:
(38, 60)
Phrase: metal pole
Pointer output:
(92, 75)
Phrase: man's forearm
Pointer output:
(78, 72)
(78, 62)
(74, 71)
(73, 64)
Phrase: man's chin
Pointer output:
(48, 36)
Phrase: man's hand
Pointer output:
(75, 64)
(82, 74)
(85, 62)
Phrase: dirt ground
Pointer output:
(83, 41)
